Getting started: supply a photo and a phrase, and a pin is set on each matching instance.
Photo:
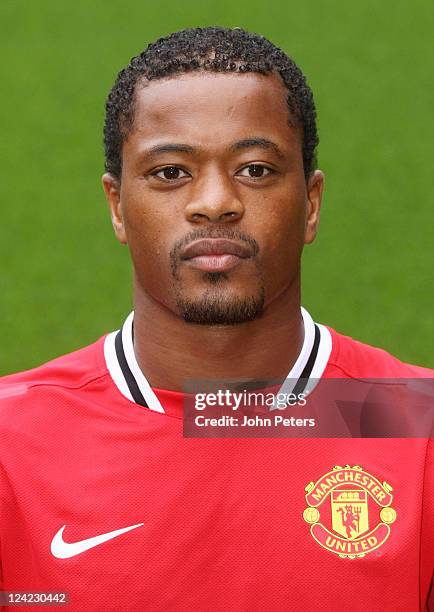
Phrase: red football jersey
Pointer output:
(102, 497)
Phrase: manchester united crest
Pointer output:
(349, 511)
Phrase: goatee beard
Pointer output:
(217, 306)
(214, 309)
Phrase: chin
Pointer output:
(219, 309)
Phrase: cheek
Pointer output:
(284, 230)
(148, 239)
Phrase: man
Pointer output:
(211, 180)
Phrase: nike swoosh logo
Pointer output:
(65, 550)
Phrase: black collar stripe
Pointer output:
(305, 375)
(128, 375)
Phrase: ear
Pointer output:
(112, 190)
(315, 186)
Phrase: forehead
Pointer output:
(212, 108)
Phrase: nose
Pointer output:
(215, 199)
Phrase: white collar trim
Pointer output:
(117, 375)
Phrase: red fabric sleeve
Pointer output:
(427, 533)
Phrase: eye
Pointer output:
(255, 171)
(170, 173)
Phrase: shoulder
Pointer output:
(354, 359)
(71, 372)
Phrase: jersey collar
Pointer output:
(131, 382)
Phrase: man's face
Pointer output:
(213, 201)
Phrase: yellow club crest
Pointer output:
(357, 511)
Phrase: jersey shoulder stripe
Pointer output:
(73, 370)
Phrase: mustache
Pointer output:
(204, 233)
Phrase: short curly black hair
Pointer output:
(215, 49)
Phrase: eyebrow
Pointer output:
(246, 143)
(257, 142)
(170, 147)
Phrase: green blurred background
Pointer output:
(64, 280)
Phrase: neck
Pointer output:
(170, 351)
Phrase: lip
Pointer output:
(214, 263)
(215, 246)
(215, 254)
